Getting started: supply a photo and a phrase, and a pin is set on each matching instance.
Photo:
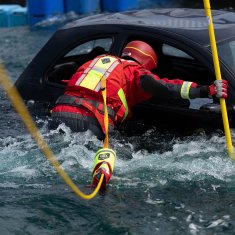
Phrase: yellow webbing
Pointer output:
(106, 115)
(20, 107)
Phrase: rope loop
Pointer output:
(21, 109)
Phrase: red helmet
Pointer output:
(142, 52)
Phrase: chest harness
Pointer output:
(100, 68)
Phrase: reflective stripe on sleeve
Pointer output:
(184, 92)
(122, 97)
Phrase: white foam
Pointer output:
(194, 229)
(189, 159)
(24, 171)
(220, 222)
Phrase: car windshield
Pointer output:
(226, 52)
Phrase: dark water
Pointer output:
(162, 183)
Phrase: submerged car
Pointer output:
(181, 41)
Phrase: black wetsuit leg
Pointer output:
(77, 123)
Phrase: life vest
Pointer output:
(88, 84)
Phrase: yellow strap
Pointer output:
(122, 97)
(19, 105)
(106, 115)
(229, 144)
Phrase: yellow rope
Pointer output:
(20, 107)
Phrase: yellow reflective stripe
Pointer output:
(184, 92)
(122, 97)
(112, 67)
(96, 70)
(105, 154)
(93, 63)
(100, 70)
(105, 72)
(86, 71)
(91, 80)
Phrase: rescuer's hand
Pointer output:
(218, 89)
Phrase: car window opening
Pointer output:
(67, 66)
(226, 51)
(175, 63)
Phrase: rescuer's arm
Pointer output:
(182, 89)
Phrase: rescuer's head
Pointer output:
(142, 53)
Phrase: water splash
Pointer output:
(192, 158)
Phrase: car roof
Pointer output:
(191, 23)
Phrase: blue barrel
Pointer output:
(8, 12)
(17, 17)
(118, 5)
(2, 18)
(81, 6)
(72, 5)
(89, 6)
(39, 10)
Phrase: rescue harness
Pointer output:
(78, 102)
(91, 80)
